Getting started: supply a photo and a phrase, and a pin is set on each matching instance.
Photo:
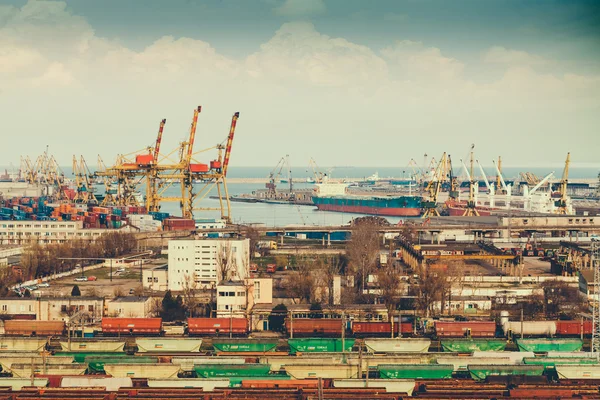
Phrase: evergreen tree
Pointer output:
(75, 291)
(27, 293)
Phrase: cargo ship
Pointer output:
(334, 197)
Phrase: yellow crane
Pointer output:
(563, 206)
(434, 187)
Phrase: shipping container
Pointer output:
(243, 345)
(314, 326)
(226, 370)
(80, 356)
(96, 364)
(148, 345)
(398, 345)
(542, 345)
(465, 329)
(34, 328)
(215, 164)
(390, 385)
(132, 326)
(24, 370)
(162, 371)
(109, 383)
(373, 328)
(207, 385)
(481, 372)
(319, 345)
(12, 344)
(93, 345)
(217, 326)
(325, 371)
(471, 345)
(416, 371)
(17, 384)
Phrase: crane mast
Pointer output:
(563, 204)
(433, 189)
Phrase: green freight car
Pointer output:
(244, 345)
(319, 345)
(544, 345)
(481, 372)
(228, 370)
(471, 345)
(96, 364)
(80, 356)
(550, 362)
(415, 371)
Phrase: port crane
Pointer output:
(471, 208)
(434, 187)
(160, 172)
(563, 206)
(319, 176)
(84, 190)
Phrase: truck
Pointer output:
(267, 244)
(271, 268)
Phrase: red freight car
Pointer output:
(379, 328)
(465, 329)
(215, 326)
(315, 326)
(132, 326)
(573, 328)
(33, 328)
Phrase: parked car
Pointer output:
(44, 285)
(92, 278)
(120, 270)
(131, 291)
(81, 279)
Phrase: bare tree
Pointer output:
(363, 249)
(561, 299)
(431, 288)
(190, 289)
(92, 291)
(118, 291)
(390, 286)
(300, 284)
(254, 236)
(226, 264)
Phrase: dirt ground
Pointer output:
(103, 286)
(536, 267)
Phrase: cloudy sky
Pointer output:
(347, 82)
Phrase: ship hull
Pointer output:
(459, 211)
(388, 212)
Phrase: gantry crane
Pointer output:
(84, 190)
(159, 173)
(434, 187)
(563, 204)
(273, 177)
(319, 176)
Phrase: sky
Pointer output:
(345, 82)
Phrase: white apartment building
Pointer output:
(199, 262)
(203, 226)
(53, 308)
(232, 299)
(130, 307)
(156, 278)
(47, 232)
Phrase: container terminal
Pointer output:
(482, 293)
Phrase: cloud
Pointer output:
(301, 8)
(502, 55)
(411, 60)
(299, 52)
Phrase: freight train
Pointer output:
(316, 327)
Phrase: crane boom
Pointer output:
(500, 177)
(485, 179)
(159, 140)
(541, 183)
(190, 146)
(229, 142)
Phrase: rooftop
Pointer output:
(131, 299)
(231, 283)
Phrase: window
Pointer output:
(241, 294)
(90, 308)
(149, 279)
(63, 308)
(155, 279)
(4, 307)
